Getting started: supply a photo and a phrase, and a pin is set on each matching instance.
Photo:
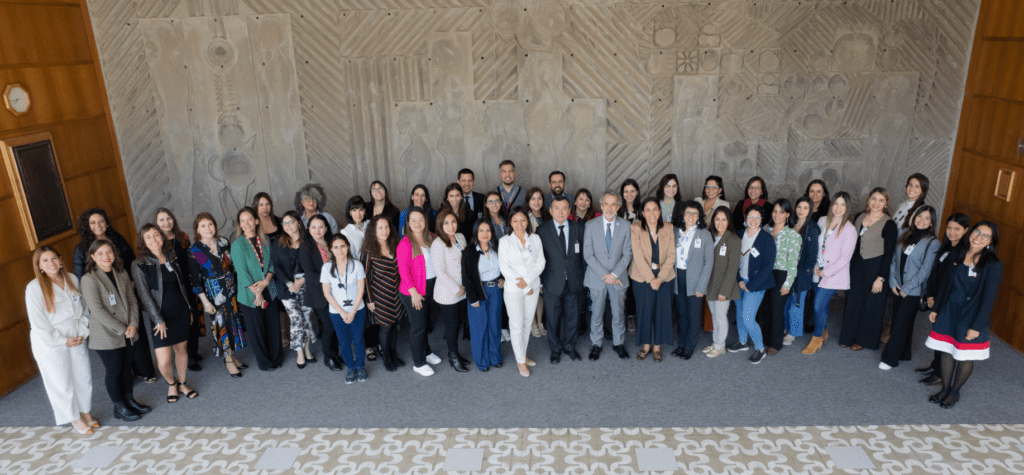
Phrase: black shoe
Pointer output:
(275, 366)
(311, 359)
(758, 356)
(950, 400)
(498, 364)
(453, 359)
(687, 354)
(300, 365)
(464, 361)
(925, 370)
(595, 353)
(738, 347)
(398, 361)
(388, 363)
(194, 366)
(331, 364)
(485, 369)
(678, 352)
(134, 405)
(240, 365)
(931, 381)
(621, 351)
(556, 357)
(236, 375)
(574, 355)
(939, 396)
(125, 413)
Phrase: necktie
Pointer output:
(561, 238)
(608, 237)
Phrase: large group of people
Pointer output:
(506, 265)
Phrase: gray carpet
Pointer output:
(834, 387)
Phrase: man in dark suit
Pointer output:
(474, 201)
(562, 278)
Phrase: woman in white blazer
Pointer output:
(521, 259)
(59, 328)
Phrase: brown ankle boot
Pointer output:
(814, 345)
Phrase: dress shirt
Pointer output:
(488, 266)
(564, 229)
(683, 247)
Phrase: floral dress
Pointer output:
(213, 275)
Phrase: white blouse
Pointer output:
(69, 318)
(518, 260)
(355, 239)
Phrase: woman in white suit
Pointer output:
(521, 259)
(56, 313)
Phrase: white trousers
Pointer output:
(521, 309)
(720, 318)
(67, 378)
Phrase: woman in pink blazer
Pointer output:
(835, 249)
(416, 286)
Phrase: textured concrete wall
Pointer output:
(215, 100)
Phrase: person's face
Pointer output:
(816, 193)
(248, 223)
(519, 223)
(609, 206)
(803, 210)
(454, 197)
(557, 184)
(779, 216)
(104, 257)
(721, 223)
(839, 208)
(154, 241)
(419, 198)
(754, 190)
(980, 237)
(483, 233)
(507, 173)
(357, 215)
(955, 232)
(651, 213)
(377, 192)
(450, 226)
(317, 229)
(466, 181)
(671, 189)
(493, 203)
(383, 230)
(629, 193)
(165, 222)
(690, 217)
(536, 202)
(309, 204)
(206, 229)
(560, 210)
(49, 263)
(416, 223)
(291, 225)
(876, 202)
(98, 224)
(754, 220)
(712, 190)
(264, 208)
(923, 220)
(339, 249)
(582, 203)
(913, 189)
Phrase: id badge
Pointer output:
(862, 231)
(910, 249)
(943, 257)
(112, 299)
(971, 272)
(168, 266)
(76, 300)
(577, 247)
(696, 243)
(721, 251)
(754, 252)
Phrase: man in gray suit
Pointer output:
(607, 250)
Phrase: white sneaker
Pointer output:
(884, 367)
(433, 359)
(788, 340)
(506, 336)
(708, 348)
(424, 370)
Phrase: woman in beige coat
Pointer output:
(653, 266)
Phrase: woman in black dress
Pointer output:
(953, 246)
(269, 222)
(180, 244)
(313, 254)
(962, 312)
(381, 264)
(160, 285)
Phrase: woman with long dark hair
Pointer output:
(917, 192)
(712, 196)
(537, 214)
(291, 283)
(963, 312)
(257, 291)
(953, 246)
(418, 198)
(668, 196)
(380, 203)
(629, 191)
(757, 258)
(787, 255)
(355, 230)
(496, 214)
(481, 272)
(756, 193)
(798, 303)
(382, 279)
(521, 261)
(180, 244)
(651, 274)
(343, 283)
(583, 211)
(269, 222)
(869, 273)
(313, 254)
(817, 192)
(722, 287)
(454, 203)
(836, 244)
(416, 287)
(449, 291)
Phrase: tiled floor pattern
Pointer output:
(940, 449)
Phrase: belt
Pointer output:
(491, 283)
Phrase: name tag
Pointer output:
(112, 299)
(654, 266)
(168, 266)
(863, 230)
(696, 243)
(971, 272)
(577, 248)
(943, 257)
(753, 252)
(479, 215)
(721, 252)
(910, 249)
(76, 299)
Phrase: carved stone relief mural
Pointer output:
(214, 100)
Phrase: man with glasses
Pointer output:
(607, 250)
(512, 195)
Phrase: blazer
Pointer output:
(640, 268)
(837, 255)
(286, 265)
(50, 330)
(478, 208)
(977, 307)
(411, 272)
(447, 262)
(722, 282)
(108, 322)
(944, 260)
(919, 266)
(562, 268)
(471, 274)
(516, 260)
(149, 284)
(699, 261)
(808, 258)
(718, 202)
(311, 264)
(760, 275)
(599, 258)
(248, 269)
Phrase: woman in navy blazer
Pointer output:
(795, 308)
(757, 259)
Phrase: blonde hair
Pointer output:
(45, 283)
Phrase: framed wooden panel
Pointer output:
(39, 188)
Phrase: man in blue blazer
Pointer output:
(562, 278)
(607, 252)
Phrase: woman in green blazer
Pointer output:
(257, 293)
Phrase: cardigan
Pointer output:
(516, 260)
(700, 260)
(722, 281)
(640, 268)
(67, 320)
(919, 266)
(808, 258)
(286, 263)
(447, 262)
(149, 284)
(412, 273)
(248, 269)
(760, 276)
(108, 322)
(787, 253)
(836, 256)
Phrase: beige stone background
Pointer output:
(215, 100)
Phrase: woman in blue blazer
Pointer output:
(757, 259)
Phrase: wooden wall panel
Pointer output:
(15, 244)
(59, 42)
(1001, 19)
(83, 146)
(999, 64)
(58, 93)
(992, 128)
(16, 275)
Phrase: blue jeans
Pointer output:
(795, 313)
(746, 317)
(485, 329)
(350, 337)
(821, 299)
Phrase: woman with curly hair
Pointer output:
(310, 201)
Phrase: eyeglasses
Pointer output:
(977, 232)
(494, 202)
(691, 212)
(711, 187)
(288, 222)
(376, 188)
(754, 187)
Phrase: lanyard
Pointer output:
(512, 197)
(259, 254)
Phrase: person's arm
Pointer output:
(667, 266)
(847, 243)
(918, 279)
(146, 295)
(889, 235)
(133, 305)
(365, 261)
(539, 261)
(993, 276)
(732, 250)
(404, 257)
(638, 240)
(240, 261)
(766, 246)
(38, 317)
(325, 284)
(510, 269)
(439, 261)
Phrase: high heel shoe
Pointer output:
(172, 398)
(950, 400)
(82, 427)
(228, 363)
(939, 396)
(457, 365)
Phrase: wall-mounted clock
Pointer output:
(16, 99)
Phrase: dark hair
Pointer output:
(718, 181)
(552, 175)
(643, 220)
(728, 217)
(259, 230)
(502, 212)
(462, 212)
(751, 208)
(810, 211)
(907, 235)
(140, 242)
(354, 203)
(371, 247)
(285, 239)
(622, 194)
(175, 230)
(85, 235)
(493, 243)
(387, 195)
(660, 192)
(322, 219)
(887, 209)
(445, 213)
(526, 212)
(544, 215)
(426, 237)
(204, 216)
(825, 202)
(256, 203)
(426, 194)
(764, 190)
(786, 208)
(591, 212)
(680, 210)
(90, 264)
(988, 253)
(923, 181)
(466, 171)
(330, 244)
(964, 222)
(506, 162)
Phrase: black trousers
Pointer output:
(418, 324)
(454, 315)
(904, 312)
(771, 316)
(194, 332)
(688, 308)
(263, 333)
(562, 315)
(142, 360)
(808, 306)
(328, 337)
(862, 318)
(118, 366)
(388, 339)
